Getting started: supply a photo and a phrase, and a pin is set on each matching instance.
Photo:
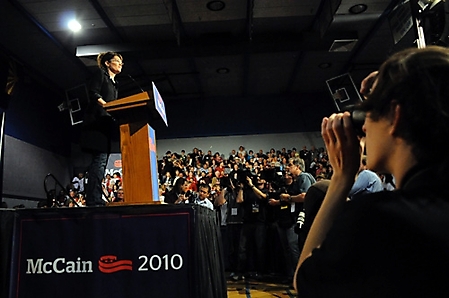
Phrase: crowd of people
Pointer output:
(198, 167)
(74, 194)
(258, 198)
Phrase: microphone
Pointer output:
(132, 79)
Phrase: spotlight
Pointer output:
(74, 26)
(222, 70)
(215, 5)
(358, 8)
(324, 65)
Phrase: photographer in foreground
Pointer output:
(390, 243)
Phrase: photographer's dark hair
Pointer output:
(177, 188)
(417, 80)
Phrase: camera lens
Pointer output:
(358, 119)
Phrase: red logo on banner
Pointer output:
(110, 264)
(118, 163)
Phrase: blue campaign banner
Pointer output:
(159, 104)
(78, 252)
(153, 160)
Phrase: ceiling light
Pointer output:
(358, 8)
(74, 26)
(215, 5)
(324, 65)
(222, 70)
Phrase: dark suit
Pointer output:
(96, 133)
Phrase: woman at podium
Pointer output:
(97, 124)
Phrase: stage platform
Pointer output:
(115, 251)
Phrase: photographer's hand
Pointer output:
(342, 144)
(274, 202)
(181, 198)
(250, 182)
(284, 197)
(368, 83)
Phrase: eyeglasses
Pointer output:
(118, 62)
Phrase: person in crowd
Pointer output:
(78, 182)
(203, 196)
(168, 180)
(80, 200)
(305, 155)
(254, 202)
(231, 221)
(298, 182)
(193, 181)
(302, 181)
(312, 202)
(389, 243)
(287, 212)
(178, 193)
(388, 182)
(366, 181)
(98, 124)
(120, 196)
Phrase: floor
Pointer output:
(258, 289)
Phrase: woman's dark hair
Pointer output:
(418, 81)
(107, 56)
(177, 188)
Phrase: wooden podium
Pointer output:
(138, 147)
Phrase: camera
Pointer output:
(243, 174)
(188, 194)
(357, 119)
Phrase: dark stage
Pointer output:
(117, 251)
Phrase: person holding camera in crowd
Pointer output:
(388, 243)
(290, 202)
(252, 238)
(302, 181)
(178, 194)
(286, 213)
(231, 221)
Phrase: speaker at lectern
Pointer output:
(135, 115)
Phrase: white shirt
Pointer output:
(206, 203)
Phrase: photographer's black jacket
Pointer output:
(250, 202)
(386, 244)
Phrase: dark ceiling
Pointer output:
(248, 48)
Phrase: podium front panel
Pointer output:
(103, 252)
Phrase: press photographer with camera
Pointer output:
(388, 243)
(231, 220)
(290, 201)
(302, 181)
(179, 193)
(254, 202)
(286, 214)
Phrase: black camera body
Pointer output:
(357, 119)
(243, 174)
(276, 194)
(189, 194)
